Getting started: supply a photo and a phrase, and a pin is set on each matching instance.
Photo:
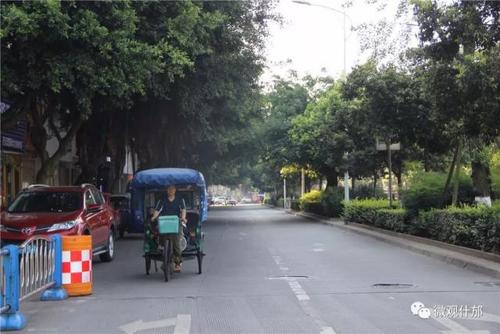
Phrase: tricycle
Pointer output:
(147, 189)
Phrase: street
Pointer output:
(266, 271)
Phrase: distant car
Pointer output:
(75, 210)
(232, 201)
(121, 203)
(219, 200)
(246, 200)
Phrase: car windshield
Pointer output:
(46, 202)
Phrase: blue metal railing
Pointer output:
(28, 269)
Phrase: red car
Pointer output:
(45, 210)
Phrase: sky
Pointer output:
(312, 37)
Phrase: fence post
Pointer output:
(56, 292)
(12, 319)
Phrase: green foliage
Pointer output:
(312, 196)
(366, 191)
(495, 173)
(317, 136)
(392, 219)
(426, 191)
(331, 202)
(310, 202)
(364, 211)
(326, 203)
(474, 227)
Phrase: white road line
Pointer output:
(301, 295)
(183, 324)
(327, 330)
(455, 328)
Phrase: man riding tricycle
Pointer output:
(170, 205)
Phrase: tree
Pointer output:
(194, 120)
(319, 139)
(59, 57)
(463, 87)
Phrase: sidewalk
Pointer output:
(482, 262)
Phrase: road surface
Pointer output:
(270, 272)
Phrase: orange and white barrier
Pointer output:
(77, 265)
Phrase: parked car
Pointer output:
(121, 204)
(246, 200)
(75, 210)
(232, 201)
(219, 200)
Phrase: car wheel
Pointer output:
(110, 249)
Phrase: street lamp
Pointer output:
(334, 10)
(346, 174)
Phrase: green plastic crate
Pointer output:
(168, 224)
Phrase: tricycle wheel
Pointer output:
(167, 259)
(199, 256)
(148, 263)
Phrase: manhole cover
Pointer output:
(490, 284)
(392, 285)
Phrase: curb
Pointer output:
(475, 260)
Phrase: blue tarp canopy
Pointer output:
(163, 177)
(158, 178)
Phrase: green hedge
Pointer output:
(366, 191)
(426, 192)
(392, 219)
(326, 203)
(474, 227)
(365, 211)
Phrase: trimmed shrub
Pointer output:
(365, 211)
(331, 201)
(310, 202)
(365, 191)
(426, 192)
(312, 196)
(392, 219)
(474, 227)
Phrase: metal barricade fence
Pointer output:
(36, 266)
(28, 269)
(5, 307)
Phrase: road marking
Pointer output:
(327, 330)
(318, 250)
(488, 317)
(183, 324)
(300, 293)
(297, 289)
(139, 325)
(455, 328)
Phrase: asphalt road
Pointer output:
(269, 272)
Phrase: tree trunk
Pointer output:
(332, 178)
(375, 177)
(450, 174)
(49, 164)
(481, 180)
(454, 199)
